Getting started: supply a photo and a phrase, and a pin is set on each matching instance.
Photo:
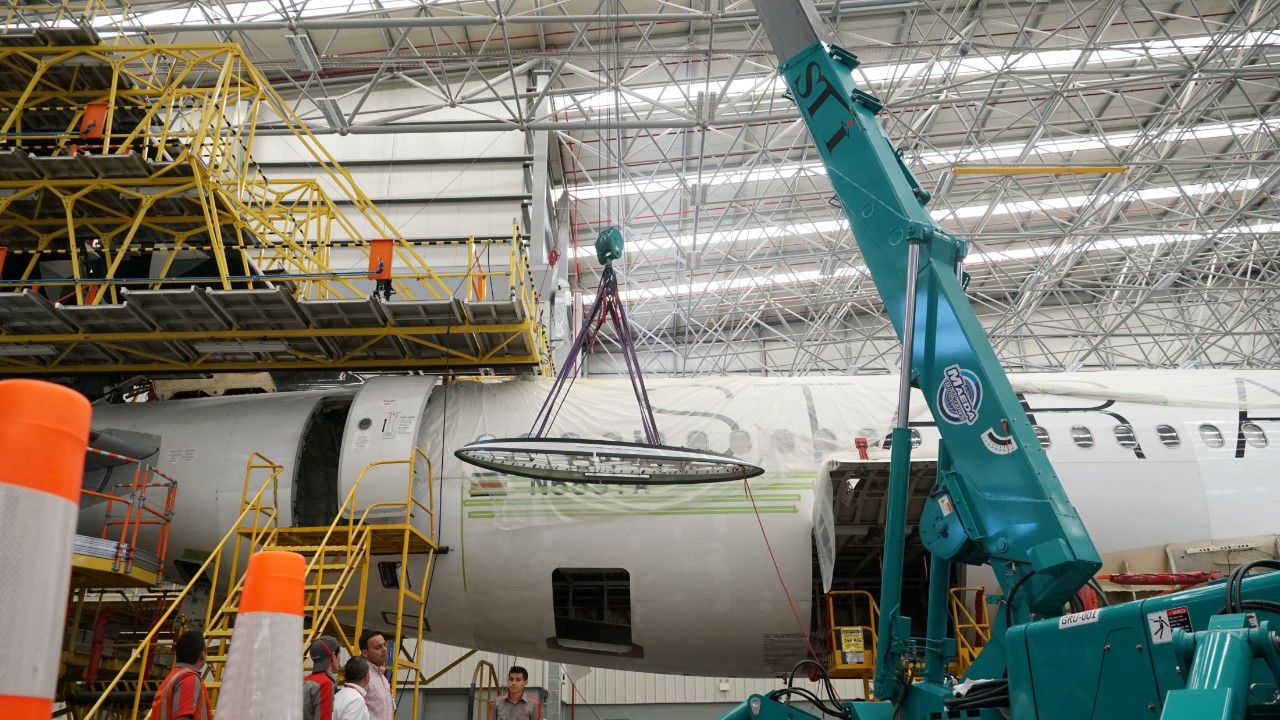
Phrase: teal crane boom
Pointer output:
(997, 500)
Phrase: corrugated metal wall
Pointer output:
(429, 185)
(615, 687)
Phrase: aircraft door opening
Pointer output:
(315, 482)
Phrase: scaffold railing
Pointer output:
(260, 517)
(143, 236)
(107, 22)
(141, 509)
(134, 146)
(339, 558)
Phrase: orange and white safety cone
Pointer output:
(263, 677)
(44, 430)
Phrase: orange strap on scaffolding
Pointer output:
(94, 121)
(380, 252)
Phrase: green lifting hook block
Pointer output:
(609, 246)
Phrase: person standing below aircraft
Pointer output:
(182, 695)
(349, 703)
(373, 648)
(318, 687)
(515, 705)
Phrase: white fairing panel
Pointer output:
(384, 424)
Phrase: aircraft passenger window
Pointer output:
(824, 441)
(697, 440)
(1168, 436)
(784, 441)
(1254, 434)
(1081, 436)
(1211, 435)
(1043, 436)
(592, 605)
(1125, 436)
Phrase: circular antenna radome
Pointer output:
(604, 461)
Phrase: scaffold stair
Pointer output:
(338, 557)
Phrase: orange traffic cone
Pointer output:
(263, 679)
(44, 430)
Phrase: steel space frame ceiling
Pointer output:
(664, 117)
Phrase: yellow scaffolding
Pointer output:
(972, 632)
(142, 236)
(145, 666)
(853, 642)
(339, 558)
(1038, 169)
(117, 589)
(21, 15)
(484, 691)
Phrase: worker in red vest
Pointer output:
(182, 695)
(318, 687)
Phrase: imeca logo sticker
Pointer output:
(959, 396)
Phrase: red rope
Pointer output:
(803, 631)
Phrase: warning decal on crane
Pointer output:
(1161, 624)
(852, 646)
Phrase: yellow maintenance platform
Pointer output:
(138, 234)
(339, 558)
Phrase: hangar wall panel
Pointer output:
(616, 687)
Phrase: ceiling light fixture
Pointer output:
(241, 347)
(27, 350)
(304, 52)
(332, 113)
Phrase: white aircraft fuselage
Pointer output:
(680, 579)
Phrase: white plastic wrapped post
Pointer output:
(263, 678)
(44, 429)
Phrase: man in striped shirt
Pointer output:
(373, 648)
(182, 695)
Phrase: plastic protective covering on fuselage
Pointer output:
(1151, 458)
(695, 555)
